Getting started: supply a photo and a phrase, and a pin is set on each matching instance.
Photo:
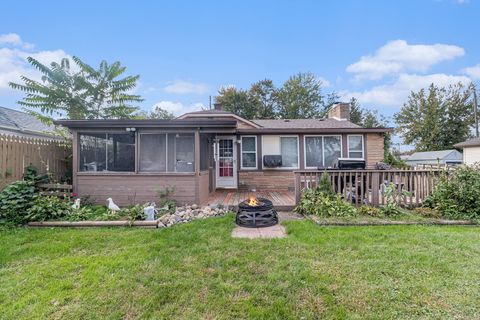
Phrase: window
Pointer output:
(172, 152)
(249, 152)
(322, 151)
(289, 152)
(355, 147)
(107, 152)
(284, 146)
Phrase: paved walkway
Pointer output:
(276, 231)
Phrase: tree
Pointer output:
(83, 94)
(436, 118)
(236, 101)
(263, 96)
(301, 97)
(156, 113)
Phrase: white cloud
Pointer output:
(13, 59)
(473, 72)
(396, 93)
(325, 82)
(14, 40)
(398, 56)
(178, 108)
(185, 87)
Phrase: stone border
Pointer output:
(438, 222)
(181, 215)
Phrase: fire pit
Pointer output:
(256, 213)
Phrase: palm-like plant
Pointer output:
(84, 93)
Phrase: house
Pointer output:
(441, 157)
(471, 150)
(200, 152)
(21, 124)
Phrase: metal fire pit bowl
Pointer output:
(256, 216)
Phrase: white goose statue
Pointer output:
(112, 206)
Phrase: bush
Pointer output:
(134, 213)
(457, 194)
(427, 212)
(48, 208)
(369, 211)
(15, 200)
(316, 202)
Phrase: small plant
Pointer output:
(393, 198)
(134, 213)
(325, 186)
(427, 212)
(316, 202)
(48, 208)
(15, 200)
(369, 211)
(166, 204)
(31, 174)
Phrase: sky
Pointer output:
(184, 51)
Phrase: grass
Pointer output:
(197, 270)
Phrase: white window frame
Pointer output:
(242, 152)
(363, 145)
(323, 147)
(298, 152)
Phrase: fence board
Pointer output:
(47, 155)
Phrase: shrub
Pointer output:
(316, 202)
(427, 212)
(393, 197)
(369, 211)
(457, 194)
(325, 186)
(15, 200)
(134, 213)
(48, 208)
(166, 204)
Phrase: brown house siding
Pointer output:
(203, 188)
(268, 179)
(131, 189)
(374, 148)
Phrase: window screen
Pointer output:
(289, 152)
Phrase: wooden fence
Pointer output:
(369, 187)
(47, 155)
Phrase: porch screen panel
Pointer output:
(153, 153)
(332, 150)
(313, 151)
(121, 152)
(289, 152)
(181, 152)
(93, 152)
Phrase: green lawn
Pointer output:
(197, 270)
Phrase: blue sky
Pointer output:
(185, 50)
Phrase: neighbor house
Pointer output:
(21, 124)
(471, 150)
(435, 158)
(200, 152)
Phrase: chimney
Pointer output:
(217, 106)
(339, 111)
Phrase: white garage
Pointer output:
(471, 151)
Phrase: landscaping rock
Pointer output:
(187, 213)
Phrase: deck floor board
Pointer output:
(232, 198)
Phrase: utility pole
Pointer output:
(475, 109)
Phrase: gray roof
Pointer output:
(15, 121)
(434, 155)
(306, 124)
(469, 143)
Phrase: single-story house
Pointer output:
(441, 157)
(471, 150)
(200, 152)
(21, 124)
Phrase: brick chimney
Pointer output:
(339, 111)
(217, 106)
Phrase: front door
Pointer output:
(226, 162)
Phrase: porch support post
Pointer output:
(375, 188)
(298, 185)
(197, 166)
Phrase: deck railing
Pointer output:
(369, 187)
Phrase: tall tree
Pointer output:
(262, 95)
(436, 118)
(79, 93)
(237, 101)
(156, 113)
(301, 97)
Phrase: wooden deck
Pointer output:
(282, 200)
